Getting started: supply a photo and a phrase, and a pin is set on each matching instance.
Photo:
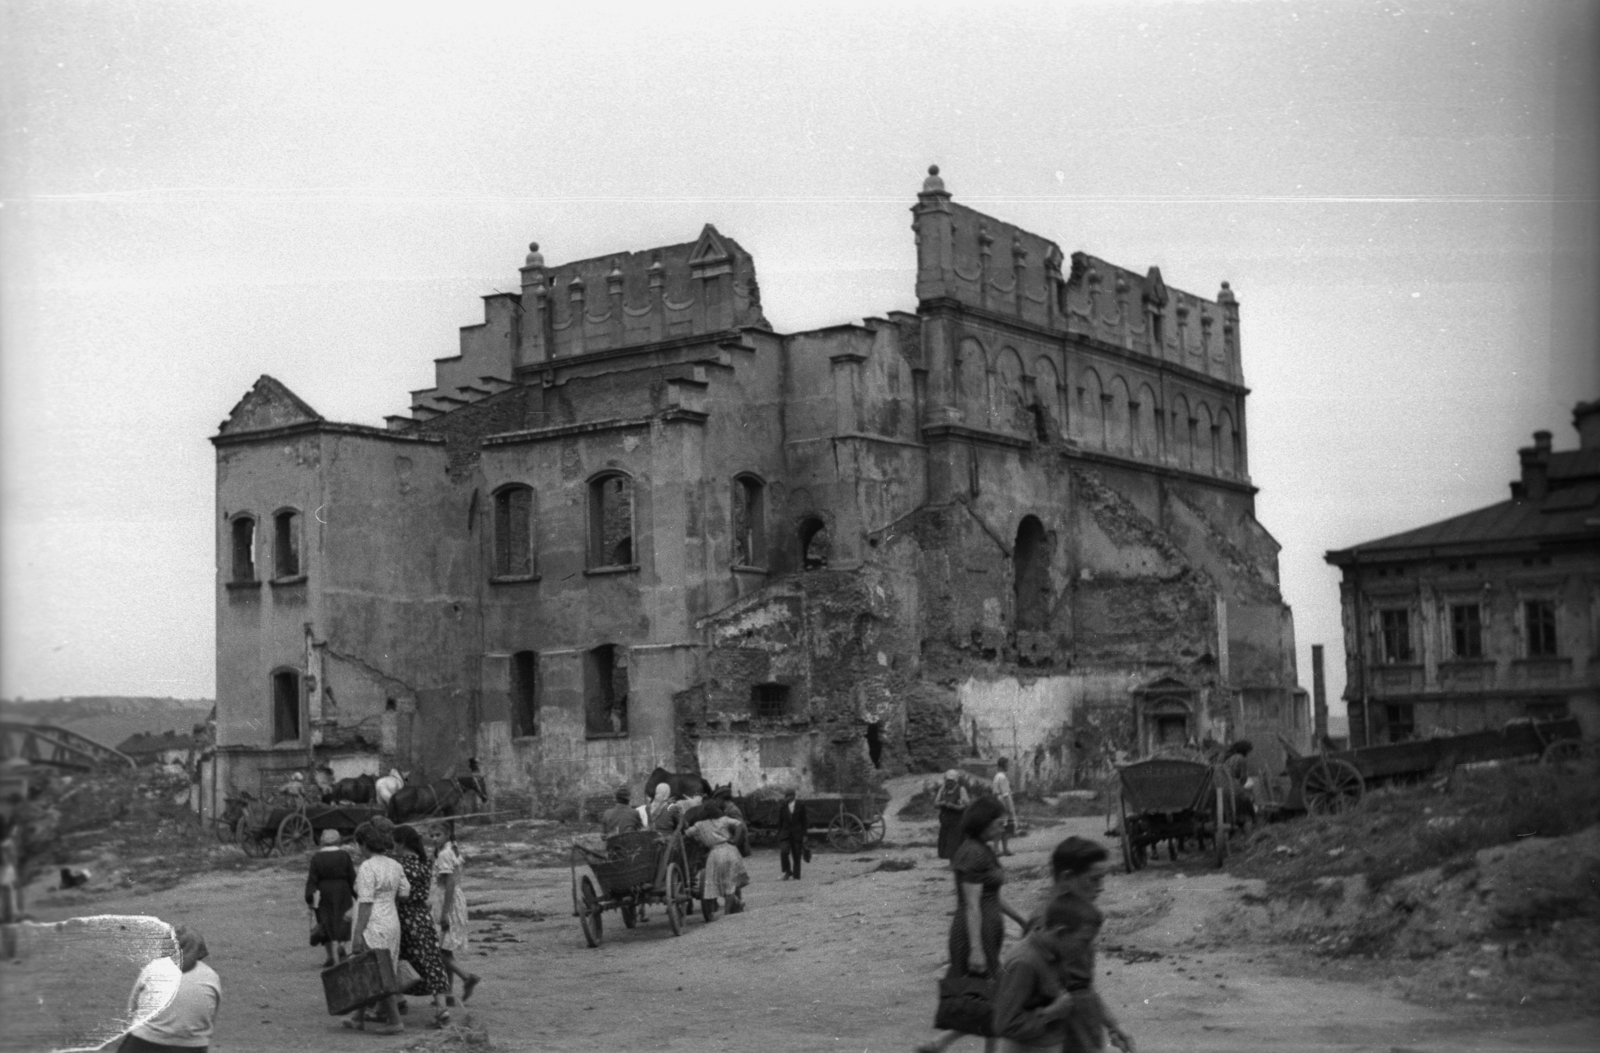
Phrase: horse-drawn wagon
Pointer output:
(1173, 800)
(1330, 782)
(850, 821)
(291, 828)
(636, 870)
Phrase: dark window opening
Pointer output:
(286, 545)
(286, 706)
(611, 521)
(1172, 731)
(749, 522)
(1157, 327)
(1396, 635)
(244, 549)
(390, 705)
(1466, 630)
(814, 544)
(875, 743)
(605, 691)
(524, 697)
(770, 701)
(1401, 720)
(1031, 568)
(1541, 622)
(513, 532)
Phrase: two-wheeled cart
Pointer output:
(636, 870)
(1167, 799)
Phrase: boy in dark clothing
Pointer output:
(1034, 1001)
(1078, 872)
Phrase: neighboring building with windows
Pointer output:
(1485, 617)
(632, 525)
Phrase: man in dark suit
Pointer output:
(791, 835)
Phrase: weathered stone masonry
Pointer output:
(631, 524)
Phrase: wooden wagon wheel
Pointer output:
(1220, 839)
(677, 896)
(1332, 786)
(294, 834)
(876, 831)
(1562, 751)
(847, 833)
(589, 911)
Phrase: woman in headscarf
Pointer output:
(330, 891)
(951, 800)
(450, 906)
(419, 940)
(978, 928)
(379, 881)
(174, 1001)
(659, 810)
(725, 872)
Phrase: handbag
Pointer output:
(966, 1004)
(319, 936)
(805, 853)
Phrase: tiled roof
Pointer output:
(1571, 512)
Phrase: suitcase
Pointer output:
(359, 980)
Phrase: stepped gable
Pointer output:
(267, 405)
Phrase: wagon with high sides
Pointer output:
(636, 870)
(1173, 800)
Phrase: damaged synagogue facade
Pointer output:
(631, 525)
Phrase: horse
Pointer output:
(683, 784)
(359, 790)
(442, 797)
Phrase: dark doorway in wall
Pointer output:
(524, 697)
(770, 701)
(814, 543)
(1031, 565)
(605, 691)
(286, 706)
(875, 743)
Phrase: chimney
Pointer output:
(1535, 467)
(1586, 418)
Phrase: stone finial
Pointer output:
(535, 257)
(1226, 295)
(655, 271)
(614, 279)
(575, 287)
(933, 184)
(1019, 255)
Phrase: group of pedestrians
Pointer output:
(1041, 994)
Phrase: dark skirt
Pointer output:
(949, 831)
(333, 910)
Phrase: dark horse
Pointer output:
(684, 784)
(359, 790)
(442, 797)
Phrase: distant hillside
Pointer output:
(112, 719)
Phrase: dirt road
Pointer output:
(846, 959)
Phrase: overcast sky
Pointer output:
(1401, 195)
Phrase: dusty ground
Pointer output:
(846, 959)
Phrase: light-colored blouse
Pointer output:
(378, 881)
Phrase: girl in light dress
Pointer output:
(379, 881)
(450, 906)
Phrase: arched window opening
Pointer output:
(749, 522)
(605, 691)
(286, 544)
(814, 544)
(875, 743)
(513, 532)
(524, 694)
(286, 705)
(244, 549)
(611, 521)
(1031, 565)
(769, 701)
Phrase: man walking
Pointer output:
(791, 835)
(1002, 789)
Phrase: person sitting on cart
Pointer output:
(619, 818)
(293, 791)
(659, 813)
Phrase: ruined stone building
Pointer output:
(632, 524)
(1486, 617)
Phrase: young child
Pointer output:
(1033, 1004)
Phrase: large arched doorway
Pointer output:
(1031, 566)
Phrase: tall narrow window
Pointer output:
(244, 549)
(286, 706)
(524, 694)
(1396, 626)
(1031, 567)
(1466, 630)
(1540, 617)
(1401, 720)
(611, 521)
(814, 544)
(513, 532)
(286, 545)
(605, 691)
(749, 522)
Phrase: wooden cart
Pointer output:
(1330, 782)
(636, 870)
(265, 828)
(1167, 799)
(851, 822)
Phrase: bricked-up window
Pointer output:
(605, 691)
(524, 694)
(286, 705)
(814, 543)
(1031, 567)
(244, 549)
(1402, 721)
(611, 521)
(1396, 629)
(1466, 630)
(513, 532)
(1540, 619)
(769, 700)
(286, 544)
(749, 522)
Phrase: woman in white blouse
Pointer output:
(379, 882)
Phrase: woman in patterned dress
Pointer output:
(419, 940)
(725, 872)
(379, 880)
(450, 907)
(978, 928)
